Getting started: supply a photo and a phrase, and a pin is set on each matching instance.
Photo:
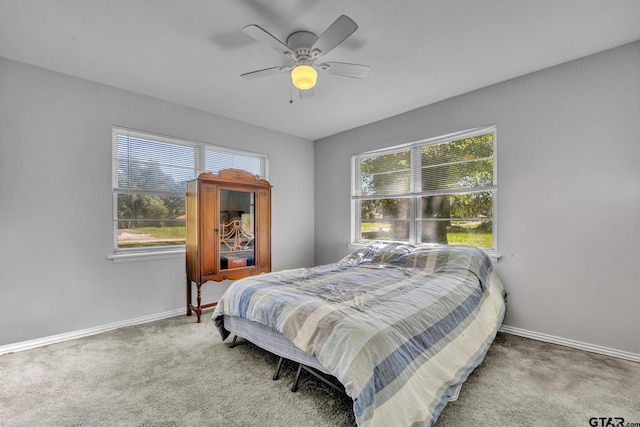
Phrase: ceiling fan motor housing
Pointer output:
(300, 43)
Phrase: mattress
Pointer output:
(270, 340)
(400, 326)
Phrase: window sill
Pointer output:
(145, 256)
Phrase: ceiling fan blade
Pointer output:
(304, 94)
(262, 73)
(265, 37)
(344, 69)
(337, 32)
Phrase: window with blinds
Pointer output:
(149, 181)
(440, 190)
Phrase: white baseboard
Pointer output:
(571, 343)
(40, 342)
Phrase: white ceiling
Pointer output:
(420, 51)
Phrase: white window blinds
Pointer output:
(160, 164)
(439, 190)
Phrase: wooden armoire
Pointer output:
(228, 230)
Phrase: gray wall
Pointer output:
(55, 202)
(569, 191)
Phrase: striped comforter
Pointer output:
(400, 326)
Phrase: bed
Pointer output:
(401, 327)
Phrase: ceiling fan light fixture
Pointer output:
(304, 77)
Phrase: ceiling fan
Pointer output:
(304, 48)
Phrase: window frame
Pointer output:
(415, 192)
(200, 152)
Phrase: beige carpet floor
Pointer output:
(175, 372)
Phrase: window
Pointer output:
(149, 176)
(440, 190)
